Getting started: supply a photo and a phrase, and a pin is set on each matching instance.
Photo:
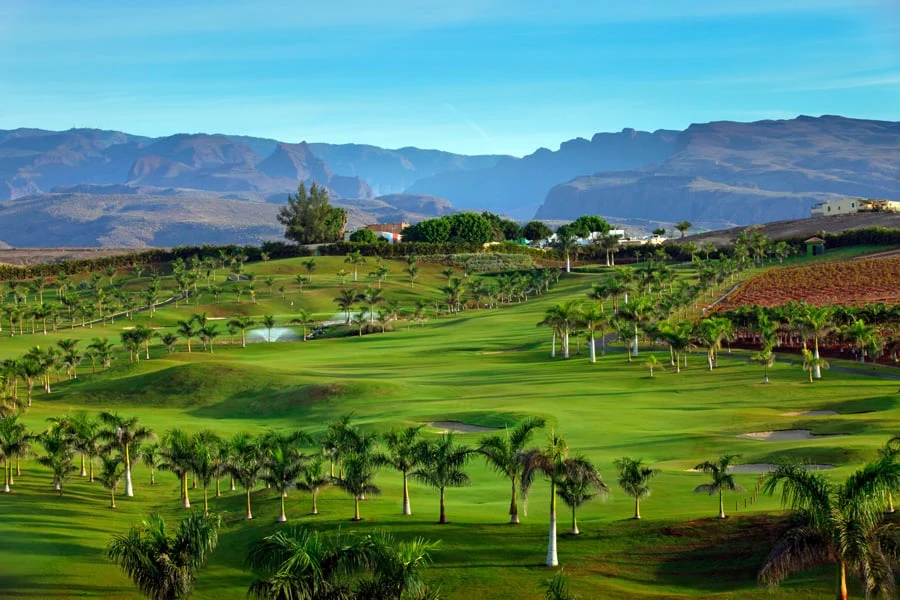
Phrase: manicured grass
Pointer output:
(485, 367)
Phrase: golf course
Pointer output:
(449, 362)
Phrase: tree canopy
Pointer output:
(309, 218)
(583, 226)
(503, 229)
(536, 230)
(464, 228)
(364, 236)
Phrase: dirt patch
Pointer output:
(811, 413)
(457, 427)
(786, 435)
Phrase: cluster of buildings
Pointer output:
(847, 206)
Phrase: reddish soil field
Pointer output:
(862, 281)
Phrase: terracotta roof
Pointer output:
(814, 240)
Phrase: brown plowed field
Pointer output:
(862, 281)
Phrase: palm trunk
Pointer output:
(552, 355)
(232, 485)
(83, 470)
(817, 367)
(593, 349)
(443, 519)
(407, 510)
(721, 504)
(186, 501)
(890, 509)
(552, 558)
(315, 509)
(129, 488)
(90, 470)
(566, 344)
(112, 497)
(205, 502)
(218, 488)
(283, 517)
(513, 505)
(842, 581)
(635, 351)
(356, 516)
(7, 475)
(249, 512)
(637, 509)
(574, 524)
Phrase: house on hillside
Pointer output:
(391, 232)
(853, 205)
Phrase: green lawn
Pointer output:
(485, 367)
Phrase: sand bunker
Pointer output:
(457, 427)
(786, 435)
(811, 413)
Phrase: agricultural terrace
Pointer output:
(439, 344)
(857, 281)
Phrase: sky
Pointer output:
(469, 76)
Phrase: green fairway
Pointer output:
(487, 367)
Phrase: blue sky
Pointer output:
(472, 76)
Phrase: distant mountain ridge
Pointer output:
(714, 174)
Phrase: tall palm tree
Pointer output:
(764, 358)
(442, 464)
(817, 320)
(637, 314)
(112, 469)
(634, 479)
(345, 300)
(123, 435)
(242, 324)
(87, 436)
(549, 462)
(837, 523)
(284, 462)
(164, 566)
(177, 454)
(359, 474)
(683, 226)
(187, 329)
(59, 455)
(14, 442)
(372, 297)
(314, 479)
(151, 457)
(205, 462)
(811, 363)
(403, 455)
(863, 337)
(355, 258)
(580, 484)
(246, 465)
(722, 480)
(505, 453)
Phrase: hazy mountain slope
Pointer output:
(745, 173)
(390, 171)
(517, 186)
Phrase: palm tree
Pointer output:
(59, 456)
(345, 301)
(651, 363)
(683, 226)
(404, 452)
(355, 258)
(163, 566)
(862, 336)
(302, 318)
(205, 462)
(268, 321)
(812, 364)
(637, 313)
(837, 523)
(14, 442)
(380, 273)
(359, 472)
(151, 456)
(245, 464)
(505, 453)
(817, 322)
(721, 479)
(242, 324)
(557, 588)
(634, 479)
(86, 434)
(112, 468)
(580, 483)
(442, 463)
(123, 434)
(765, 358)
(177, 453)
(550, 462)
(310, 266)
(170, 341)
(284, 462)
(313, 479)
(187, 330)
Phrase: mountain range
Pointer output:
(97, 187)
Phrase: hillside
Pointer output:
(802, 228)
(744, 173)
